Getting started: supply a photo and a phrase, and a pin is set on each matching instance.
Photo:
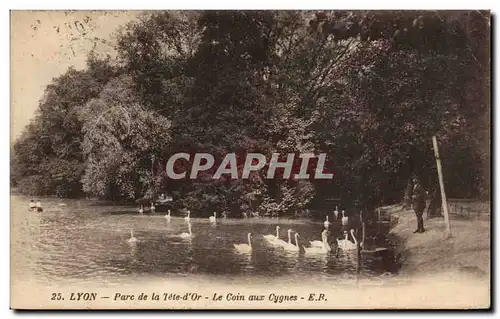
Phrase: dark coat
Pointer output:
(418, 197)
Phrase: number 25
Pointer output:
(56, 296)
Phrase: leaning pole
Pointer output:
(441, 186)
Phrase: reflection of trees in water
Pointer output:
(248, 263)
(245, 260)
(133, 253)
(318, 262)
(190, 265)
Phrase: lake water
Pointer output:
(78, 240)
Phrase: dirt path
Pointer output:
(467, 251)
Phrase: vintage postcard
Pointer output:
(250, 159)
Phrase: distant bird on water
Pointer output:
(336, 212)
(345, 219)
(245, 248)
(167, 217)
(327, 222)
(132, 238)
(213, 218)
(346, 244)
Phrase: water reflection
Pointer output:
(82, 241)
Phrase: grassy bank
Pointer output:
(466, 252)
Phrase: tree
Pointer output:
(119, 142)
(368, 88)
(47, 158)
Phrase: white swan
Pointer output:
(345, 219)
(141, 210)
(188, 218)
(167, 217)
(132, 238)
(319, 243)
(281, 242)
(346, 244)
(327, 222)
(336, 212)
(187, 235)
(292, 247)
(322, 249)
(272, 238)
(245, 248)
(213, 218)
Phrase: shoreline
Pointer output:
(467, 253)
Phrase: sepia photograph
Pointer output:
(250, 159)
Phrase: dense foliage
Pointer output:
(367, 88)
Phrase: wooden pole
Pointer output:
(441, 186)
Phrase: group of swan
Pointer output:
(212, 219)
(276, 241)
(344, 220)
(152, 208)
(168, 217)
(316, 246)
(273, 240)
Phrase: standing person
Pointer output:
(418, 204)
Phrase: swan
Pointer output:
(132, 238)
(272, 238)
(187, 218)
(292, 247)
(322, 249)
(245, 248)
(187, 235)
(282, 243)
(345, 219)
(213, 218)
(336, 212)
(319, 243)
(327, 222)
(141, 210)
(346, 244)
(168, 216)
